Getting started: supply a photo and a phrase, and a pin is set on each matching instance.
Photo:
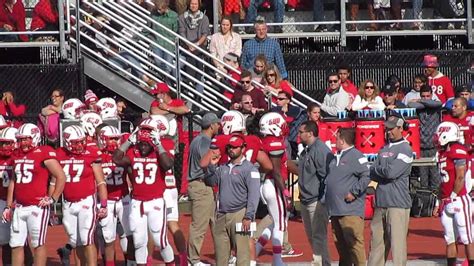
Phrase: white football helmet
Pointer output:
(106, 136)
(30, 131)
(107, 108)
(163, 124)
(75, 139)
(145, 128)
(8, 141)
(447, 132)
(89, 121)
(273, 124)
(3, 122)
(232, 121)
(72, 108)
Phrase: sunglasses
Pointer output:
(369, 87)
(282, 99)
(247, 102)
(246, 81)
(55, 96)
(333, 81)
(270, 75)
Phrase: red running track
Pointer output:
(425, 241)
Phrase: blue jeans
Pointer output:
(8, 38)
(167, 57)
(278, 6)
(417, 8)
(125, 65)
(318, 10)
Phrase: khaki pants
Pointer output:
(202, 214)
(315, 220)
(226, 238)
(389, 231)
(349, 237)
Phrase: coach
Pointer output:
(239, 193)
(312, 168)
(347, 181)
(391, 170)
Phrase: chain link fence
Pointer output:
(308, 72)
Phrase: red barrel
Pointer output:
(331, 127)
(370, 135)
(412, 135)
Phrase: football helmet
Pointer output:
(447, 132)
(7, 141)
(145, 128)
(30, 132)
(162, 123)
(3, 122)
(109, 138)
(273, 124)
(72, 108)
(89, 121)
(232, 122)
(75, 139)
(107, 108)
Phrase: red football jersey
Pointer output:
(147, 180)
(6, 173)
(447, 168)
(80, 179)
(168, 145)
(466, 125)
(442, 87)
(274, 144)
(254, 145)
(115, 177)
(31, 176)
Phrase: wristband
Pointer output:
(453, 195)
(103, 203)
(101, 183)
(125, 146)
(286, 193)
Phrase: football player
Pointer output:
(32, 165)
(144, 153)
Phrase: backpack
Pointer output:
(423, 203)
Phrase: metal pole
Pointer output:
(470, 36)
(78, 33)
(178, 70)
(343, 23)
(215, 8)
(62, 38)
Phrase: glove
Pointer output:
(7, 215)
(46, 201)
(102, 213)
(133, 137)
(155, 137)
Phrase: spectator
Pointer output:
(200, 194)
(396, 14)
(368, 97)
(274, 83)
(246, 106)
(165, 17)
(429, 115)
(126, 118)
(263, 44)
(194, 27)
(336, 99)
(48, 119)
(257, 95)
(347, 180)
(313, 112)
(45, 18)
(312, 170)
(259, 67)
(461, 91)
(232, 60)
(12, 18)
(238, 202)
(414, 94)
(439, 83)
(225, 41)
(278, 9)
(417, 14)
(391, 170)
(11, 111)
(318, 15)
(395, 82)
(293, 115)
(344, 72)
(390, 98)
(90, 100)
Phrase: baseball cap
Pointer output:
(389, 89)
(236, 141)
(209, 119)
(160, 88)
(393, 121)
(430, 60)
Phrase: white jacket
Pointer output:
(375, 104)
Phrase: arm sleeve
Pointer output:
(279, 61)
(418, 106)
(393, 167)
(238, 48)
(205, 26)
(212, 175)
(245, 57)
(253, 185)
(181, 27)
(449, 89)
(213, 45)
(322, 161)
(46, 12)
(448, 105)
(17, 110)
(361, 171)
(432, 104)
(358, 103)
(21, 26)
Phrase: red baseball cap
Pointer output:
(160, 88)
(236, 141)
(430, 60)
